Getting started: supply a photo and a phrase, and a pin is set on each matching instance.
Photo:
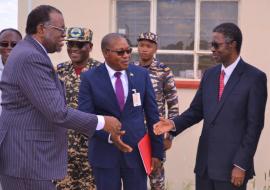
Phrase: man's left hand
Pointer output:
(117, 141)
(238, 176)
(155, 164)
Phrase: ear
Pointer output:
(156, 47)
(105, 53)
(40, 29)
(234, 44)
(90, 46)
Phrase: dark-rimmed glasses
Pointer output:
(121, 52)
(62, 30)
(8, 44)
(80, 45)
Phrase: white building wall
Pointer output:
(255, 25)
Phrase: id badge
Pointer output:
(136, 98)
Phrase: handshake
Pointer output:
(113, 127)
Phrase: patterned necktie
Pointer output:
(119, 90)
(221, 84)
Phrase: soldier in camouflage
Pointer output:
(165, 90)
(79, 45)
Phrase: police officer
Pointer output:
(79, 45)
(166, 94)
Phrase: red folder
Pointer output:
(145, 150)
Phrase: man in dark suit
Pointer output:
(231, 100)
(124, 91)
(33, 140)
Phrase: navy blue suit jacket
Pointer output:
(232, 126)
(97, 96)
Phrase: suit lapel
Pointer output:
(108, 88)
(130, 76)
(53, 73)
(229, 87)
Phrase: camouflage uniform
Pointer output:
(79, 173)
(166, 93)
(166, 96)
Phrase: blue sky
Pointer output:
(8, 14)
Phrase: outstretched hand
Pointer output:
(117, 141)
(113, 126)
(163, 126)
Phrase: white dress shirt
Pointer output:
(124, 80)
(123, 77)
(228, 70)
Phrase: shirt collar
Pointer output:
(228, 70)
(112, 71)
(41, 45)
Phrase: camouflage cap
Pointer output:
(79, 34)
(148, 36)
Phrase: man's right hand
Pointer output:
(163, 126)
(113, 127)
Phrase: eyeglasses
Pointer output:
(8, 44)
(62, 30)
(80, 45)
(121, 52)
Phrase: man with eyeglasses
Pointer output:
(9, 37)
(165, 90)
(125, 91)
(35, 117)
(231, 100)
(79, 46)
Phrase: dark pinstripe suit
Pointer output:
(35, 117)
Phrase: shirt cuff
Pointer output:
(239, 167)
(101, 122)
(109, 139)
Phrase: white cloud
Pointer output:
(8, 14)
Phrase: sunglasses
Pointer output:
(215, 45)
(121, 52)
(7, 44)
(80, 45)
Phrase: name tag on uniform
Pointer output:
(136, 98)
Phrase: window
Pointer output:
(184, 28)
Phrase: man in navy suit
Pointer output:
(231, 100)
(35, 117)
(124, 91)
